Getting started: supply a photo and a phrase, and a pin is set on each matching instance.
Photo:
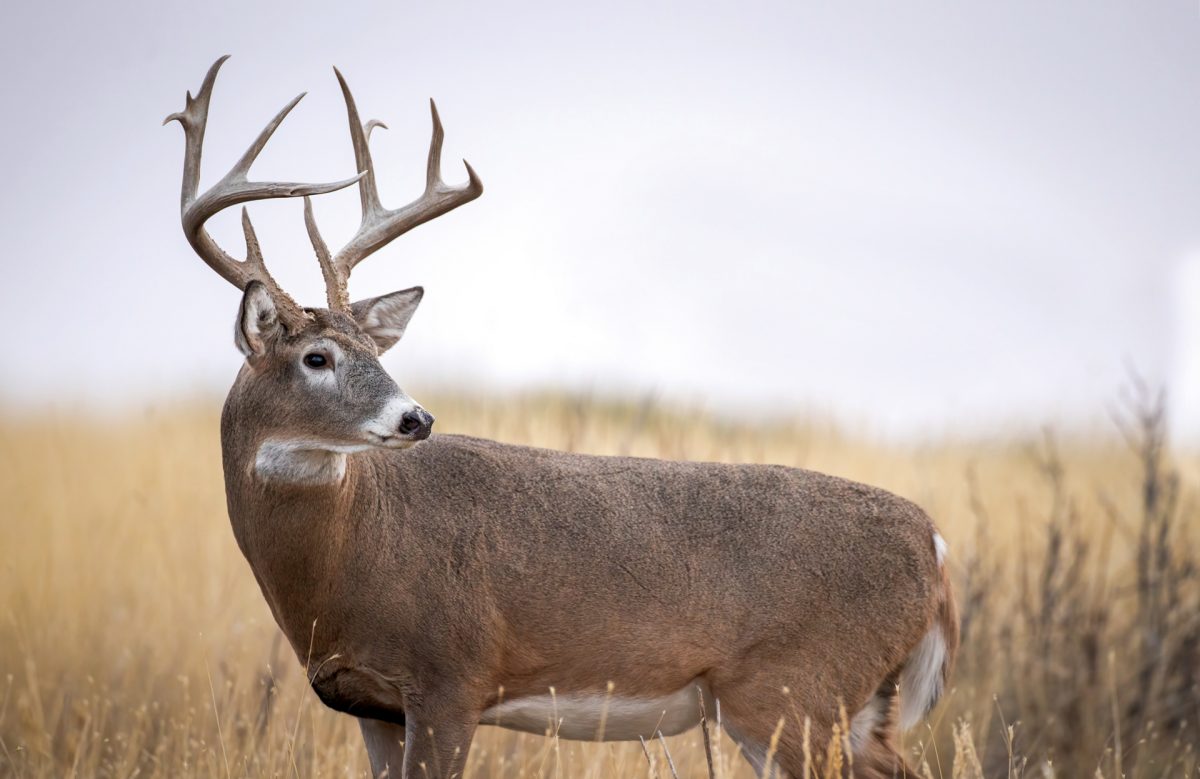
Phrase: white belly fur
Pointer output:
(578, 717)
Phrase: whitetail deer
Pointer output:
(434, 587)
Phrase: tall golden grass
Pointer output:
(134, 641)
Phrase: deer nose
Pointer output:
(416, 424)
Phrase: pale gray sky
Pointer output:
(921, 216)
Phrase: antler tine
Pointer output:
(367, 190)
(371, 125)
(257, 268)
(335, 293)
(433, 166)
(379, 225)
(232, 189)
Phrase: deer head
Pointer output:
(312, 376)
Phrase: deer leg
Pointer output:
(763, 711)
(873, 737)
(881, 761)
(437, 741)
(385, 747)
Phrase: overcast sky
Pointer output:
(918, 216)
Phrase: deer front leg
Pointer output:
(438, 738)
(385, 747)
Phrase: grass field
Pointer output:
(134, 641)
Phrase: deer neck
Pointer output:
(291, 508)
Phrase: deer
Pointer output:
(430, 584)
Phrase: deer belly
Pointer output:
(598, 717)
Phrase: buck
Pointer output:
(433, 583)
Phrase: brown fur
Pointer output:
(430, 577)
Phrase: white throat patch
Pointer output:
(302, 461)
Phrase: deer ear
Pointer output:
(385, 317)
(257, 320)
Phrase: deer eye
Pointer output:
(314, 360)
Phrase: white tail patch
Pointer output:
(940, 548)
(921, 679)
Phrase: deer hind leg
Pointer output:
(873, 731)
(763, 711)
(385, 747)
(752, 712)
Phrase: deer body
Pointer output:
(430, 584)
(506, 571)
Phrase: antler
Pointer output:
(231, 190)
(380, 225)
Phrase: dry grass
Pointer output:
(134, 642)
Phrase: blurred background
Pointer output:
(918, 218)
(952, 250)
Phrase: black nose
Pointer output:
(416, 424)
